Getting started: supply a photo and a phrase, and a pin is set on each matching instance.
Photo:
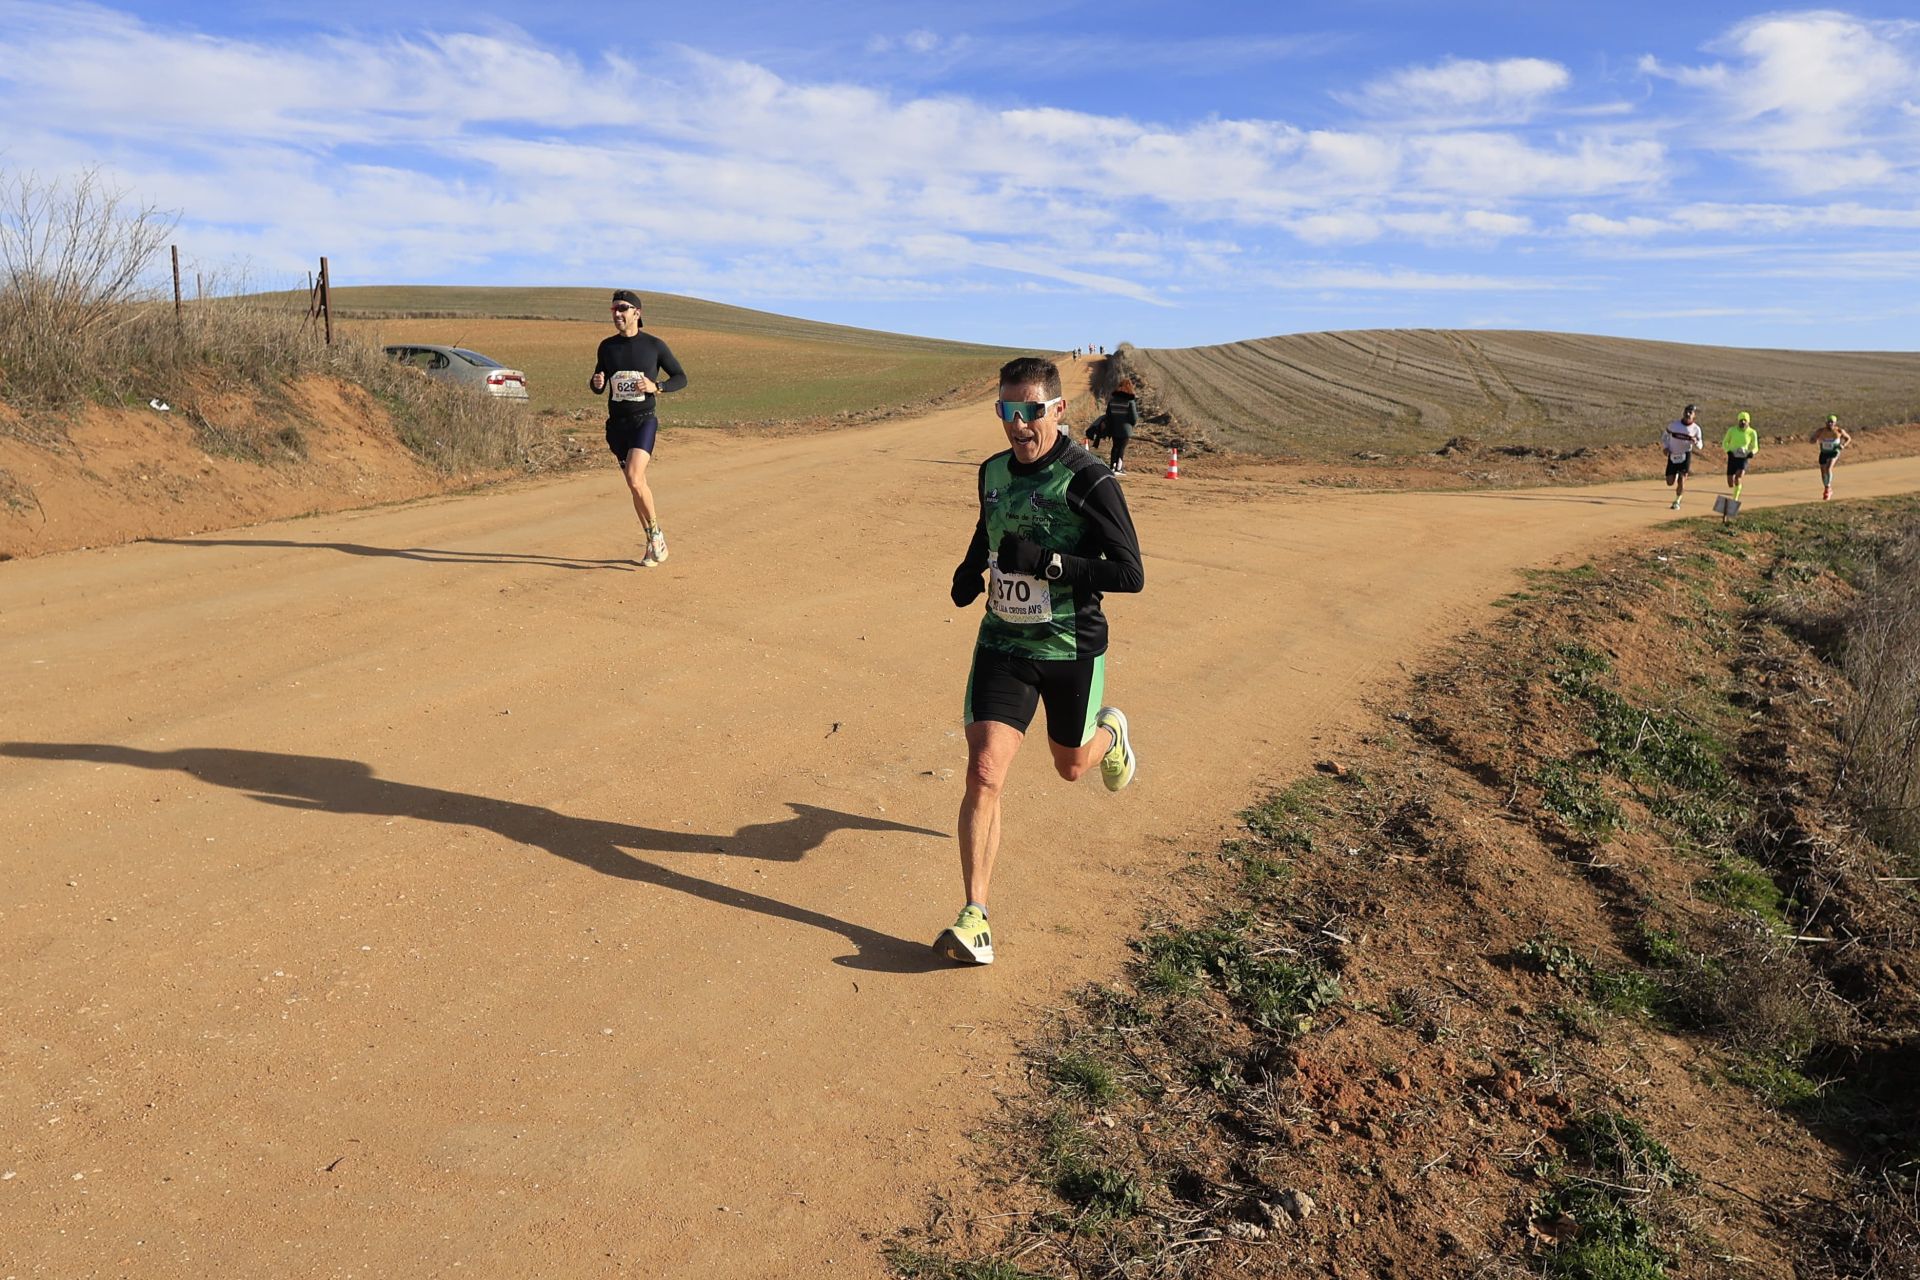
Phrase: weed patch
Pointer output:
(1579, 800)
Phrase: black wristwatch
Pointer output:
(1054, 568)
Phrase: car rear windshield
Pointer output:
(474, 357)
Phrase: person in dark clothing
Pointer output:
(628, 368)
(1117, 424)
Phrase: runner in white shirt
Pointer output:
(1680, 439)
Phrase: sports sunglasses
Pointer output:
(1026, 410)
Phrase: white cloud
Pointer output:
(1593, 224)
(1390, 280)
(434, 156)
(1809, 96)
(1336, 228)
(1510, 89)
(1498, 164)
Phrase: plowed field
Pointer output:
(1410, 390)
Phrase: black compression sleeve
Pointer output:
(975, 560)
(1119, 567)
(676, 376)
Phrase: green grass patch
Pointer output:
(1282, 817)
(1684, 762)
(1628, 993)
(916, 1264)
(1741, 884)
(1578, 799)
(1101, 1191)
(1625, 993)
(1551, 956)
(1776, 1079)
(1613, 1165)
(1083, 1075)
(1278, 994)
(1621, 1150)
(1614, 1241)
(1662, 947)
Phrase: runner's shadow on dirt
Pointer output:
(351, 787)
(426, 555)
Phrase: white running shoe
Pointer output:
(1116, 767)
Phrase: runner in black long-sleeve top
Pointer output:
(627, 367)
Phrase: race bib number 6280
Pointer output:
(1019, 598)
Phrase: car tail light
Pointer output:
(502, 379)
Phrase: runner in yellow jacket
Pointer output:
(1741, 442)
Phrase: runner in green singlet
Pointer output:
(1052, 535)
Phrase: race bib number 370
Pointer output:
(1019, 598)
(626, 385)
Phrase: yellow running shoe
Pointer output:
(1116, 767)
(967, 940)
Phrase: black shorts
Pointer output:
(1684, 467)
(627, 434)
(1736, 465)
(1005, 688)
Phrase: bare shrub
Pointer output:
(1755, 987)
(75, 259)
(83, 319)
(1879, 1236)
(1881, 654)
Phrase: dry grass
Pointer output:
(80, 322)
(1881, 654)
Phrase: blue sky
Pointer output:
(1042, 173)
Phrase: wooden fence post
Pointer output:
(326, 299)
(176, 283)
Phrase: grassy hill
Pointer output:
(663, 311)
(744, 366)
(1410, 390)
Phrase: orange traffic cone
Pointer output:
(1173, 465)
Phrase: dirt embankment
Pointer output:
(103, 476)
(1575, 963)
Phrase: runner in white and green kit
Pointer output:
(1053, 534)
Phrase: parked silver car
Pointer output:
(468, 368)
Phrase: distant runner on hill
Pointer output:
(1117, 424)
(627, 367)
(1832, 438)
(1741, 442)
(1053, 533)
(1680, 439)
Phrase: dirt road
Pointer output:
(429, 891)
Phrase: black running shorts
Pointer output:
(627, 434)
(1684, 467)
(1005, 688)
